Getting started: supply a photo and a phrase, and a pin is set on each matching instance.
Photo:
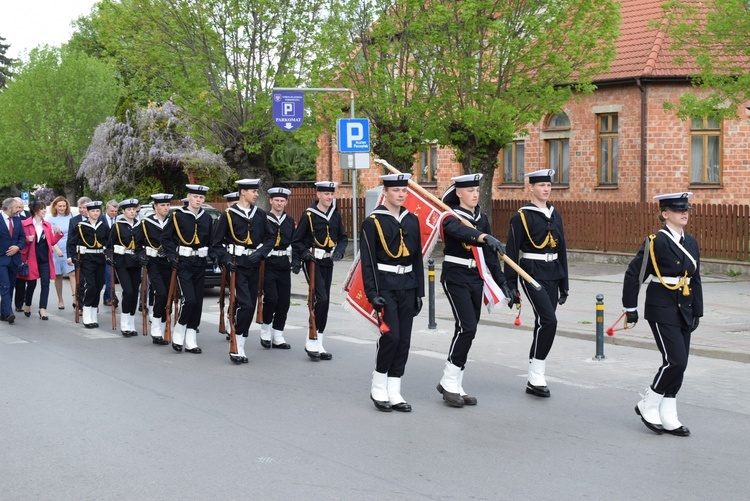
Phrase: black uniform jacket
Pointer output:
(372, 252)
(149, 234)
(184, 228)
(248, 228)
(283, 232)
(663, 305)
(122, 234)
(540, 226)
(92, 236)
(458, 239)
(327, 232)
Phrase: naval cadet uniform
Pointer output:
(536, 242)
(320, 236)
(122, 251)
(670, 262)
(186, 239)
(277, 281)
(393, 279)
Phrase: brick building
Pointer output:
(618, 143)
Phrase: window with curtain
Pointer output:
(557, 149)
(513, 163)
(608, 146)
(428, 165)
(705, 151)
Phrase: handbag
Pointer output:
(23, 270)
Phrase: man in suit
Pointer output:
(11, 243)
(20, 286)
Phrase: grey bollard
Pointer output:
(431, 293)
(599, 327)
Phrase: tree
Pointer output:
(5, 64)
(714, 34)
(48, 114)
(151, 144)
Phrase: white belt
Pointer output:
(670, 280)
(151, 252)
(539, 257)
(238, 250)
(320, 253)
(469, 263)
(189, 252)
(281, 252)
(119, 249)
(82, 249)
(398, 269)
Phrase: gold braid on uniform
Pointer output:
(247, 240)
(145, 234)
(131, 245)
(328, 241)
(683, 279)
(195, 239)
(278, 238)
(95, 245)
(549, 240)
(402, 250)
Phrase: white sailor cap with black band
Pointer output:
(94, 205)
(674, 201)
(196, 189)
(248, 184)
(465, 181)
(540, 176)
(161, 198)
(390, 180)
(232, 197)
(129, 203)
(278, 191)
(326, 186)
(185, 201)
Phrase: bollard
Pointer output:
(599, 327)
(431, 293)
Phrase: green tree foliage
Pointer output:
(714, 34)
(48, 115)
(5, 64)
(151, 144)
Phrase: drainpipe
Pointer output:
(644, 117)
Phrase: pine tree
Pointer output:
(5, 64)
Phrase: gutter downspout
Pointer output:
(644, 117)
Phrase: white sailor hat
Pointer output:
(395, 179)
(95, 205)
(185, 201)
(278, 191)
(248, 184)
(325, 186)
(540, 176)
(675, 201)
(196, 189)
(232, 197)
(161, 198)
(467, 180)
(130, 202)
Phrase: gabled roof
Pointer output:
(643, 49)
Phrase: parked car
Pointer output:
(213, 274)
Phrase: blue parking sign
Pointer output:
(25, 196)
(354, 135)
(288, 110)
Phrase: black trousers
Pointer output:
(159, 275)
(190, 278)
(544, 304)
(20, 293)
(92, 280)
(277, 294)
(43, 291)
(246, 291)
(465, 299)
(130, 281)
(673, 342)
(323, 279)
(393, 346)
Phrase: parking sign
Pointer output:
(354, 135)
(288, 110)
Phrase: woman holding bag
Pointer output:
(38, 254)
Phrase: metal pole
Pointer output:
(354, 192)
(431, 293)
(599, 327)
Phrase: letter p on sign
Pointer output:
(353, 135)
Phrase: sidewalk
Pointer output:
(724, 331)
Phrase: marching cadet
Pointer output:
(320, 236)
(393, 278)
(87, 244)
(148, 241)
(186, 238)
(670, 261)
(122, 254)
(242, 238)
(536, 241)
(231, 198)
(277, 282)
(464, 277)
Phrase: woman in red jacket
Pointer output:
(38, 253)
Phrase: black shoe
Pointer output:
(265, 343)
(656, 428)
(27, 313)
(402, 407)
(19, 309)
(539, 391)
(324, 355)
(452, 399)
(95, 325)
(282, 346)
(194, 350)
(678, 432)
(314, 355)
(10, 318)
(158, 340)
(43, 317)
(176, 347)
(245, 360)
(235, 358)
(468, 400)
(380, 405)
(90, 326)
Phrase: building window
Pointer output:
(608, 148)
(513, 162)
(705, 151)
(428, 161)
(557, 146)
(558, 121)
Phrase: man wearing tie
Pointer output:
(11, 242)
